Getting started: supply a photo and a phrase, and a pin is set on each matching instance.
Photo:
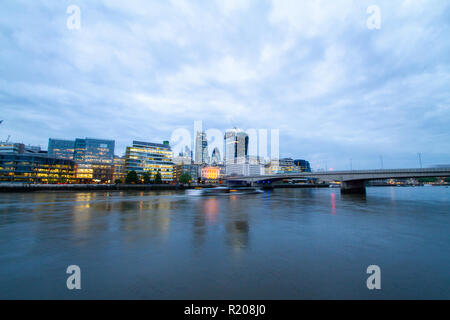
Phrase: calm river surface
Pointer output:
(281, 244)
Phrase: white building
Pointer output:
(201, 148)
(236, 145)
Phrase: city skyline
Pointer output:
(342, 95)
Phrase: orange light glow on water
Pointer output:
(333, 203)
(211, 209)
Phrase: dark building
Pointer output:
(303, 164)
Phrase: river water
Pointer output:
(280, 244)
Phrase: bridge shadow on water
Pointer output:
(354, 197)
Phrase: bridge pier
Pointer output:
(353, 187)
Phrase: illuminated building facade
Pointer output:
(94, 173)
(151, 158)
(94, 158)
(12, 147)
(287, 165)
(94, 151)
(35, 168)
(61, 149)
(210, 174)
(119, 172)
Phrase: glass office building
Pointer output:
(94, 151)
(201, 148)
(119, 172)
(303, 164)
(12, 147)
(35, 168)
(93, 173)
(61, 149)
(151, 158)
(236, 145)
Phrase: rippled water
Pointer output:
(282, 244)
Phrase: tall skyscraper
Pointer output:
(215, 156)
(236, 145)
(201, 148)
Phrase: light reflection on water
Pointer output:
(285, 243)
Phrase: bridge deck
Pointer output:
(353, 175)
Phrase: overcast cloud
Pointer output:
(138, 70)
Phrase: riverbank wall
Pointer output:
(125, 187)
(87, 187)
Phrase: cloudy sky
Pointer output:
(138, 70)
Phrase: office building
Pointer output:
(91, 150)
(244, 169)
(210, 174)
(61, 149)
(35, 168)
(303, 165)
(201, 148)
(151, 158)
(245, 166)
(94, 173)
(34, 149)
(191, 169)
(236, 145)
(215, 157)
(119, 172)
(183, 157)
(282, 166)
(12, 147)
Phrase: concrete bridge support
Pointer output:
(353, 187)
